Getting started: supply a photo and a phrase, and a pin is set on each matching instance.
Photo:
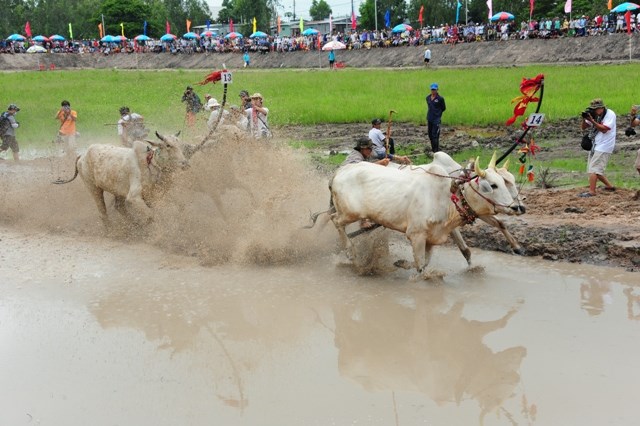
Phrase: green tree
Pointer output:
(397, 9)
(319, 9)
(226, 12)
(130, 13)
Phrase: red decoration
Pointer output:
(528, 88)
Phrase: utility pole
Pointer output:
(375, 12)
(294, 10)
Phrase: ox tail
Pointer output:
(314, 216)
(75, 175)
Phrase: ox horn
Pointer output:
(492, 163)
(477, 169)
(506, 164)
(159, 136)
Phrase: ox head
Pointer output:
(489, 193)
(168, 152)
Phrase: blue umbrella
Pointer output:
(108, 39)
(16, 37)
(259, 34)
(310, 31)
(190, 36)
(168, 37)
(502, 16)
(142, 37)
(209, 34)
(40, 38)
(233, 34)
(57, 37)
(119, 38)
(400, 28)
(623, 7)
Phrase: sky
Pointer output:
(338, 7)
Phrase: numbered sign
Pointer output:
(535, 120)
(227, 78)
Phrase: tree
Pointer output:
(131, 14)
(397, 10)
(319, 10)
(226, 12)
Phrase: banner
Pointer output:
(279, 21)
(567, 7)
(490, 6)
(627, 18)
(144, 28)
(122, 29)
(27, 29)
(230, 25)
(354, 23)
(387, 18)
(420, 17)
(531, 4)
(188, 25)
(167, 27)
(255, 24)
(458, 11)
(100, 30)
(301, 25)
(70, 31)
(609, 5)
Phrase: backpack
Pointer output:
(4, 123)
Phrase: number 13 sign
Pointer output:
(226, 77)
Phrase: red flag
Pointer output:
(528, 88)
(27, 29)
(279, 24)
(167, 27)
(354, 24)
(420, 14)
(212, 77)
(531, 3)
(230, 25)
(627, 18)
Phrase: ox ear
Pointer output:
(477, 169)
(492, 163)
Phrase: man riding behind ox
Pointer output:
(130, 127)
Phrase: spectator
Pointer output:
(603, 122)
(246, 59)
(332, 59)
(258, 117)
(435, 107)
(67, 131)
(193, 105)
(245, 99)
(214, 107)
(427, 56)
(362, 152)
(9, 134)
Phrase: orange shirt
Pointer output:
(67, 122)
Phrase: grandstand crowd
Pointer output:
(546, 28)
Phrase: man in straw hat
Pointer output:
(362, 152)
(603, 121)
(258, 117)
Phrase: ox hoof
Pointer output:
(429, 275)
(519, 251)
(476, 269)
(402, 263)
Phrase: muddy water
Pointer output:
(109, 332)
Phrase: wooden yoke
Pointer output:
(388, 132)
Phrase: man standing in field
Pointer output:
(603, 121)
(435, 107)
(67, 132)
(8, 125)
(427, 56)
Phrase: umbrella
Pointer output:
(142, 37)
(259, 34)
(119, 38)
(16, 37)
(334, 45)
(623, 7)
(190, 36)
(168, 37)
(233, 34)
(209, 34)
(36, 49)
(400, 28)
(57, 37)
(40, 38)
(502, 16)
(106, 39)
(310, 31)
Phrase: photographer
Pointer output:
(603, 121)
(67, 131)
(193, 103)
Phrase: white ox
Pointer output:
(455, 170)
(130, 174)
(416, 204)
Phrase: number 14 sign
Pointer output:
(535, 120)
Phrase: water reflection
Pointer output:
(594, 295)
(633, 302)
(424, 343)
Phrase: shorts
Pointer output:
(638, 161)
(9, 141)
(426, 60)
(598, 162)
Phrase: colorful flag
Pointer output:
(121, 29)
(100, 30)
(490, 6)
(27, 29)
(567, 7)
(387, 18)
(279, 21)
(458, 11)
(330, 24)
(301, 25)
(70, 31)
(420, 17)
(609, 5)
(230, 25)
(255, 24)
(188, 25)
(167, 27)
(144, 28)
(208, 23)
(627, 18)
(531, 4)
(354, 23)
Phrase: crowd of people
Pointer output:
(545, 28)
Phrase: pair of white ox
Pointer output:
(133, 175)
(417, 201)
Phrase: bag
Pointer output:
(587, 142)
(4, 123)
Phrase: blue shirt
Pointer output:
(436, 108)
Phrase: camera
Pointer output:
(587, 113)
(630, 131)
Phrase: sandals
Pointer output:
(586, 195)
(609, 188)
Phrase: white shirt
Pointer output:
(606, 142)
(258, 123)
(377, 139)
